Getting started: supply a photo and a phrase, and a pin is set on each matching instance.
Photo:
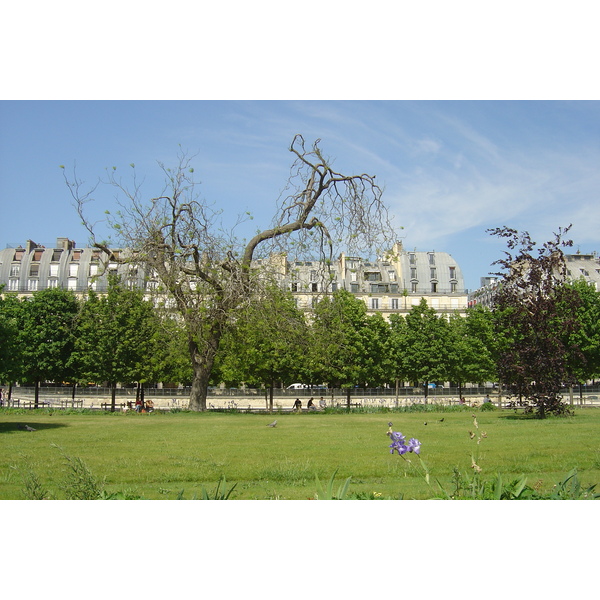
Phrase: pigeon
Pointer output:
(25, 427)
(441, 420)
(425, 423)
(273, 424)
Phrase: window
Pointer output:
(413, 286)
(354, 288)
(313, 276)
(431, 258)
(14, 270)
(32, 285)
(93, 284)
(434, 287)
(56, 254)
(392, 275)
(412, 259)
(433, 273)
(53, 270)
(37, 255)
(373, 276)
(72, 283)
(452, 272)
(52, 283)
(374, 303)
(313, 287)
(353, 276)
(73, 270)
(294, 287)
(413, 273)
(93, 270)
(34, 270)
(453, 287)
(13, 285)
(394, 304)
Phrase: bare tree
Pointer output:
(205, 272)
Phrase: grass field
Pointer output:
(170, 455)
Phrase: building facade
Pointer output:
(391, 284)
(584, 267)
(25, 270)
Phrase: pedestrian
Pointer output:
(297, 405)
(322, 403)
(311, 405)
(486, 399)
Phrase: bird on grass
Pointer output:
(441, 420)
(273, 424)
(25, 428)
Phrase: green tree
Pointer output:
(587, 335)
(116, 338)
(340, 342)
(424, 346)
(208, 274)
(46, 337)
(473, 347)
(267, 344)
(10, 349)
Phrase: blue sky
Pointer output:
(450, 169)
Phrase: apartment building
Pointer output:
(579, 267)
(389, 284)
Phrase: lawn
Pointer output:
(163, 456)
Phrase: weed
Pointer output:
(220, 492)
(33, 488)
(80, 483)
(327, 493)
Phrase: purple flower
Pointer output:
(414, 445)
(396, 436)
(400, 447)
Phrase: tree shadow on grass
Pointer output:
(518, 417)
(20, 427)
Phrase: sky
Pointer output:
(450, 169)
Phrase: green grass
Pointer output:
(158, 456)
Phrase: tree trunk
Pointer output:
(348, 398)
(202, 363)
(271, 397)
(73, 395)
(199, 390)
(36, 397)
(113, 396)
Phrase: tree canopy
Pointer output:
(208, 274)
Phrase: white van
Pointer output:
(297, 386)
